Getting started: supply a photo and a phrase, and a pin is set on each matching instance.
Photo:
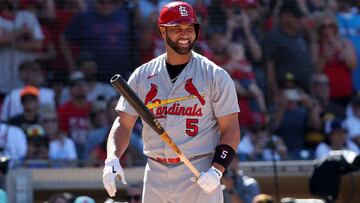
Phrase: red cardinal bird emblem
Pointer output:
(151, 94)
(190, 87)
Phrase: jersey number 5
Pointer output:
(191, 127)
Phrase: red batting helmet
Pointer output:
(178, 12)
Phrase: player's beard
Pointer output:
(177, 48)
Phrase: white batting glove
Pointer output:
(209, 180)
(111, 171)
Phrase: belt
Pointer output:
(168, 160)
(177, 160)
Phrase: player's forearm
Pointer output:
(230, 134)
(230, 130)
(231, 137)
(118, 140)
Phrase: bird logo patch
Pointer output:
(190, 88)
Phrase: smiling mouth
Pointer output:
(182, 44)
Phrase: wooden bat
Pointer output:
(146, 115)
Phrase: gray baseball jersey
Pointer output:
(187, 109)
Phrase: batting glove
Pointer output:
(111, 171)
(209, 180)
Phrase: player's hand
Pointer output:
(111, 171)
(209, 180)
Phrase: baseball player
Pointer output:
(195, 101)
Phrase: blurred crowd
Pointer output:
(294, 64)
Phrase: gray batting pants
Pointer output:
(170, 183)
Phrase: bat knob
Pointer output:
(115, 77)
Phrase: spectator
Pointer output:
(31, 74)
(74, 115)
(323, 109)
(319, 89)
(98, 135)
(292, 119)
(336, 139)
(97, 91)
(13, 143)
(244, 20)
(249, 32)
(61, 147)
(37, 142)
(20, 35)
(353, 121)
(58, 14)
(250, 97)
(217, 41)
(45, 12)
(98, 115)
(259, 145)
(97, 139)
(287, 49)
(349, 24)
(239, 188)
(37, 151)
(337, 59)
(29, 120)
(134, 193)
(109, 37)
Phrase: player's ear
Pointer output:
(162, 31)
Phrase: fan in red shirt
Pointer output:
(337, 59)
(75, 115)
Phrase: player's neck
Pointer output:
(174, 58)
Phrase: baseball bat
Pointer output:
(119, 83)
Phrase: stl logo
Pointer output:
(183, 11)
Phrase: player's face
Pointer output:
(181, 38)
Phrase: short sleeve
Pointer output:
(124, 105)
(224, 97)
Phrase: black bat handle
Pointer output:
(125, 90)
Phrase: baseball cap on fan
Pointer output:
(333, 125)
(77, 77)
(29, 92)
